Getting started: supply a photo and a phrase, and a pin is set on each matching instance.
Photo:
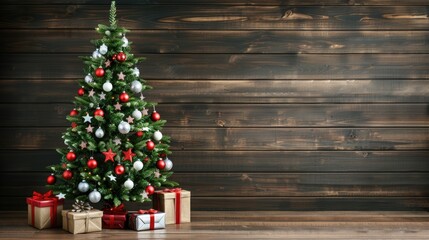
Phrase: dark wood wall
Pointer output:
(272, 105)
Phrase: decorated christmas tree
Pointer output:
(115, 150)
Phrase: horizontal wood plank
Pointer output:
(219, 17)
(252, 161)
(238, 91)
(227, 41)
(232, 66)
(239, 115)
(267, 139)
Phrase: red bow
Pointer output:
(150, 211)
(172, 190)
(115, 210)
(45, 196)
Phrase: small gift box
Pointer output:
(44, 210)
(114, 217)
(82, 222)
(176, 203)
(146, 220)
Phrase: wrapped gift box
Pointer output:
(44, 210)
(146, 220)
(82, 222)
(176, 203)
(114, 217)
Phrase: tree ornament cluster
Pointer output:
(115, 150)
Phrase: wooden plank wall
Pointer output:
(272, 105)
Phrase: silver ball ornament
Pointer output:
(91, 105)
(107, 86)
(88, 78)
(168, 164)
(136, 72)
(136, 86)
(103, 49)
(83, 186)
(129, 184)
(107, 33)
(157, 136)
(94, 196)
(99, 133)
(138, 165)
(137, 115)
(124, 127)
(125, 41)
(96, 54)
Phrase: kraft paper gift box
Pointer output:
(146, 220)
(82, 222)
(44, 210)
(176, 203)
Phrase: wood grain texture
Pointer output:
(219, 17)
(233, 66)
(237, 91)
(222, 41)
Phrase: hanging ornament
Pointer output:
(128, 155)
(150, 145)
(109, 155)
(136, 86)
(73, 112)
(119, 169)
(137, 114)
(103, 49)
(121, 57)
(157, 136)
(81, 91)
(73, 124)
(107, 32)
(83, 186)
(96, 54)
(138, 165)
(124, 127)
(107, 86)
(150, 190)
(124, 97)
(125, 41)
(160, 164)
(146, 159)
(99, 133)
(114, 56)
(136, 72)
(162, 155)
(92, 163)
(155, 116)
(99, 72)
(71, 156)
(99, 112)
(88, 78)
(129, 184)
(67, 174)
(139, 133)
(51, 179)
(94, 196)
(168, 164)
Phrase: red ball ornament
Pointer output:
(73, 112)
(114, 56)
(121, 57)
(124, 97)
(81, 91)
(150, 190)
(92, 163)
(71, 156)
(155, 116)
(139, 134)
(99, 72)
(146, 159)
(99, 112)
(150, 145)
(160, 164)
(67, 174)
(73, 125)
(119, 169)
(51, 179)
(162, 155)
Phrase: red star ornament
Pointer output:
(128, 155)
(109, 155)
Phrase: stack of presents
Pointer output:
(170, 206)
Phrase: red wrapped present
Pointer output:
(44, 210)
(114, 217)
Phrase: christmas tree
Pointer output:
(115, 151)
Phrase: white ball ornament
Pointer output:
(103, 49)
(125, 41)
(88, 78)
(168, 164)
(83, 186)
(99, 133)
(107, 33)
(136, 72)
(94, 196)
(91, 105)
(107, 86)
(96, 54)
(137, 115)
(124, 127)
(129, 184)
(157, 136)
(138, 165)
(136, 86)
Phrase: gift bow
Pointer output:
(150, 211)
(45, 196)
(172, 190)
(115, 210)
(81, 206)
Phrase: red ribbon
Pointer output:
(152, 216)
(177, 201)
(44, 197)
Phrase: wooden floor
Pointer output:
(251, 225)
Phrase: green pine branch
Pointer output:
(112, 17)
